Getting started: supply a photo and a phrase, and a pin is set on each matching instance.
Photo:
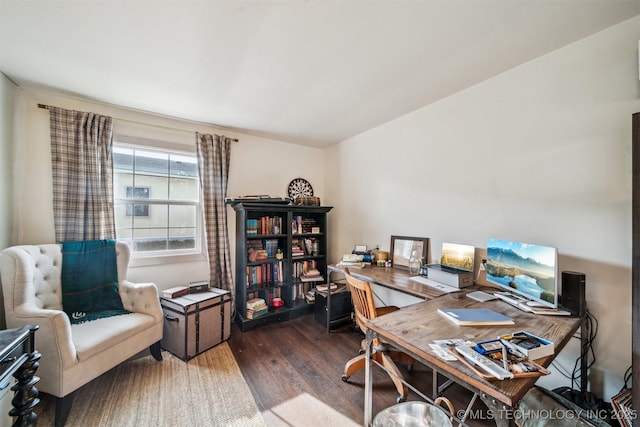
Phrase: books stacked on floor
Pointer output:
(623, 407)
(256, 307)
(175, 292)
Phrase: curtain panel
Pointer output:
(214, 152)
(82, 167)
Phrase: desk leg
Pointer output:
(26, 394)
(584, 357)
(503, 415)
(368, 381)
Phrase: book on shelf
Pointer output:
(312, 279)
(310, 272)
(297, 249)
(252, 227)
(475, 316)
(254, 314)
(323, 288)
(310, 297)
(256, 307)
(175, 292)
(265, 273)
(255, 302)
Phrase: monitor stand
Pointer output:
(524, 304)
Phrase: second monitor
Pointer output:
(455, 267)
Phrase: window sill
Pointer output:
(149, 260)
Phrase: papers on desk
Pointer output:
(441, 348)
(350, 264)
(475, 316)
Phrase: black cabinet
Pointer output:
(280, 256)
(341, 308)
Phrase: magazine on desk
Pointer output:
(499, 364)
(475, 316)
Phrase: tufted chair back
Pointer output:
(41, 286)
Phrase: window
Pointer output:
(137, 193)
(157, 201)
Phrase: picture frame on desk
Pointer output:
(403, 246)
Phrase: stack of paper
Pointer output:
(475, 316)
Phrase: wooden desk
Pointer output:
(413, 328)
(392, 278)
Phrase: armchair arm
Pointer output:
(141, 298)
(53, 338)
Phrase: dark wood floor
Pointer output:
(282, 360)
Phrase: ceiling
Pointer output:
(309, 72)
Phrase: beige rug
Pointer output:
(209, 390)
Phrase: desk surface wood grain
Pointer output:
(393, 278)
(413, 328)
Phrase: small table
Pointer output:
(18, 357)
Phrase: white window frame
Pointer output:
(148, 258)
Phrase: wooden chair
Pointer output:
(365, 308)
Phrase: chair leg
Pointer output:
(156, 351)
(399, 356)
(390, 366)
(354, 365)
(63, 407)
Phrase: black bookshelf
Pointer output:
(299, 233)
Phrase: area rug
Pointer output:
(208, 390)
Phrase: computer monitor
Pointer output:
(460, 257)
(525, 269)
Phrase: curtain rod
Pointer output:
(46, 107)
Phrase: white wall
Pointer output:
(258, 166)
(8, 92)
(7, 104)
(539, 154)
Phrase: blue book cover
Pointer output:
(475, 316)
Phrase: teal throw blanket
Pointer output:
(90, 280)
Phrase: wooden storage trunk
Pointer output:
(196, 322)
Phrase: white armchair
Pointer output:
(73, 355)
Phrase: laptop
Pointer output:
(456, 258)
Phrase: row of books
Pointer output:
(304, 225)
(297, 250)
(304, 247)
(268, 245)
(300, 290)
(307, 271)
(265, 273)
(264, 225)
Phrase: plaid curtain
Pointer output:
(214, 152)
(82, 175)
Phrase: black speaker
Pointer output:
(573, 293)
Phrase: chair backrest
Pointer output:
(362, 296)
(31, 274)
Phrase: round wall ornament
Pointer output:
(299, 187)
